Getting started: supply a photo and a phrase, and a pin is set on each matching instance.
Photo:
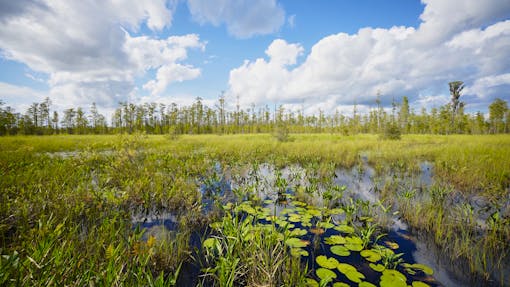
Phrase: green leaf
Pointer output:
(354, 243)
(325, 225)
(297, 252)
(345, 229)
(325, 274)
(420, 284)
(421, 267)
(393, 278)
(296, 242)
(350, 272)
(210, 242)
(340, 250)
(334, 240)
(323, 261)
(371, 255)
(298, 232)
(340, 284)
(366, 284)
(311, 282)
(336, 211)
(377, 267)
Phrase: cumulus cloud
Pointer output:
(243, 18)
(88, 50)
(457, 40)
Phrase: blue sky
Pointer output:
(319, 54)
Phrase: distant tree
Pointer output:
(456, 88)
(69, 122)
(498, 110)
(54, 121)
(403, 115)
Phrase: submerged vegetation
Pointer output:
(252, 210)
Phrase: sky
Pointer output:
(312, 55)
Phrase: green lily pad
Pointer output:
(420, 284)
(325, 274)
(284, 223)
(298, 232)
(354, 243)
(371, 255)
(325, 225)
(311, 282)
(345, 229)
(314, 212)
(323, 261)
(366, 284)
(296, 242)
(393, 278)
(336, 211)
(421, 267)
(377, 267)
(350, 272)
(299, 203)
(340, 250)
(335, 239)
(294, 218)
(210, 242)
(298, 252)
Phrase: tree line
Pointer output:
(198, 118)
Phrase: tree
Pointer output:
(403, 115)
(456, 88)
(68, 121)
(497, 112)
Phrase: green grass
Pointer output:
(66, 201)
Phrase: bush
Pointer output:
(391, 132)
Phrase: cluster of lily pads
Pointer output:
(332, 250)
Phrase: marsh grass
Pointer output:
(66, 202)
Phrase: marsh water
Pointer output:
(276, 188)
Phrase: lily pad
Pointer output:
(354, 243)
(377, 267)
(311, 282)
(329, 263)
(366, 284)
(345, 229)
(314, 212)
(393, 278)
(391, 245)
(350, 272)
(420, 284)
(210, 242)
(335, 239)
(325, 225)
(421, 267)
(336, 211)
(371, 255)
(294, 218)
(325, 274)
(340, 250)
(298, 232)
(298, 252)
(296, 242)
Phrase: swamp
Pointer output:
(249, 210)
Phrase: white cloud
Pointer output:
(19, 97)
(457, 40)
(243, 18)
(87, 49)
